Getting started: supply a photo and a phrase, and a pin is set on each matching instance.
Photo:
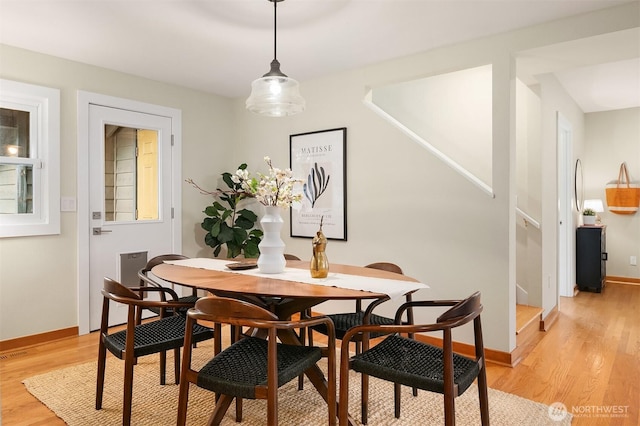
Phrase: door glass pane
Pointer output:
(14, 133)
(131, 174)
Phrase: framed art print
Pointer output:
(318, 159)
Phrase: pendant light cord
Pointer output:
(275, 27)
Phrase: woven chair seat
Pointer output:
(416, 364)
(156, 336)
(345, 321)
(241, 367)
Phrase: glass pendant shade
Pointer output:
(275, 94)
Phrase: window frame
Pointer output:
(43, 105)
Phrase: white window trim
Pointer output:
(44, 105)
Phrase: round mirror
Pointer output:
(578, 185)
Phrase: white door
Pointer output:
(129, 203)
(566, 262)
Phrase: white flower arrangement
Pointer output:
(274, 189)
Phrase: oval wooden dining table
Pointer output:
(283, 297)
(292, 296)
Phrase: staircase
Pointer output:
(528, 320)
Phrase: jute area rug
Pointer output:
(70, 393)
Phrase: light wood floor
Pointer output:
(589, 361)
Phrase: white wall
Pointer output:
(434, 109)
(38, 275)
(555, 99)
(611, 138)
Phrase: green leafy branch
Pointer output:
(226, 224)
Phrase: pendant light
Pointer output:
(275, 94)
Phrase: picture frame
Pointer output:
(318, 159)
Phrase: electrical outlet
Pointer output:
(633, 261)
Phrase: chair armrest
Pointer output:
(147, 282)
(161, 290)
(277, 324)
(370, 308)
(162, 304)
(312, 321)
(408, 328)
(422, 304)
(144, 278)
(400, 327)
(290, 325)
(390, 329)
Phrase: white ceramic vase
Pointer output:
(271, 259)
(589, 220)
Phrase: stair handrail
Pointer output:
(527, 218)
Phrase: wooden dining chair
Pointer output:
(154, 336)
(406, 361)
(345, 321)
(146, 278)
(252, 367)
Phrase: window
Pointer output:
(29, 160)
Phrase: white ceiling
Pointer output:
(220, 46)
(610, 86)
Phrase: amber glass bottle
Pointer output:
(319, 263)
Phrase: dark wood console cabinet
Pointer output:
(591, 257)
